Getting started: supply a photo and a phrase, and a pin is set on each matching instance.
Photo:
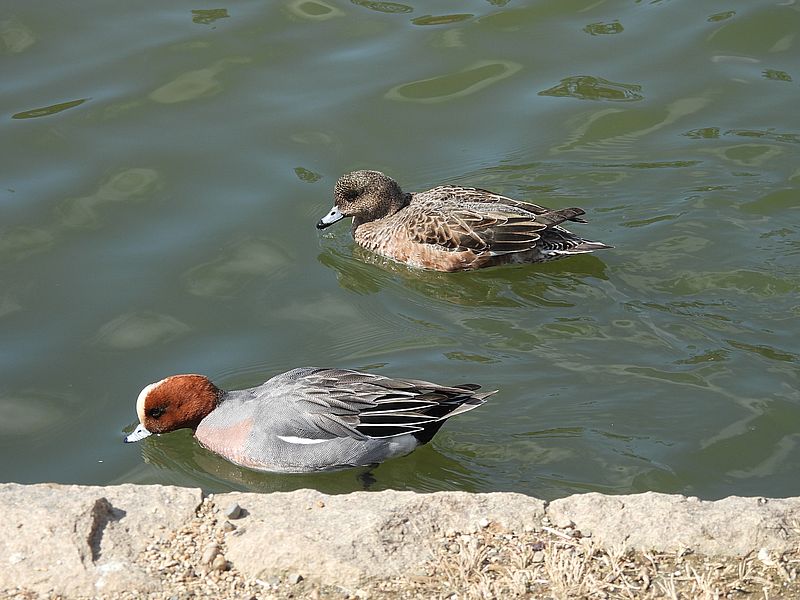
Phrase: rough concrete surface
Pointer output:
(79, 541)
(76, 540)
(363, 535)
(732, 526)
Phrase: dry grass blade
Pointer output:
(566, 569)
(668, 588)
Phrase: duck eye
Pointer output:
(155, 413)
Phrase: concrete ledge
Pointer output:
(79, 541)
(75, 540)
(733, 526)
(360, 536)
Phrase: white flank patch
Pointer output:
(293, 439)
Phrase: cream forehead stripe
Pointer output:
(143, 396)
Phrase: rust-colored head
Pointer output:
(174, 403)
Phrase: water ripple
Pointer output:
(586, 87)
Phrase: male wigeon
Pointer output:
(451, 228)
(306, 419)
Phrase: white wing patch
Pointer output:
(293, 439)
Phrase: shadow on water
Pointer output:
(544, 284)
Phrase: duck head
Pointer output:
(365, 196)
(174, 403)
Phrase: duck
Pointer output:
(452, 228)
(305, 420)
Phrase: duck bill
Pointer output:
(330, 218)
(138, 434)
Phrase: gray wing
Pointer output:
(327, 403)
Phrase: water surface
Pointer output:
(163, 167)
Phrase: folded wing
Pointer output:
(346, 403)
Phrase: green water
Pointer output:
(164, 164)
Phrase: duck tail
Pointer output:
(588, 246)
(555, 217)
(469, 402)
(426, 435)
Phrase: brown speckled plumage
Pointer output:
(453, 228)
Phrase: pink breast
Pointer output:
(226, 440)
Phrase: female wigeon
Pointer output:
(307, 419)
(451, 228)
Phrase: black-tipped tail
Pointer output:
(417, 407)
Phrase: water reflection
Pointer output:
(614, 130)
(38, 414)
(8, 304)
(384, 7)
(441, 19)
(239, 263)
(451, 37)
(195, 84)
(16, 36)
(742, 281)
(306, 175)
(771, 438)
(545, 284)
(315, 10)
(768, 134)
(748, 155)
(130, 184)
(776, 75)
(139, 329)
(325, 309)
(772, 203)
(208, 16)
(661, 370)
(48, 110)
(454, 85)
(586, 87)
(767, 29)
(24, 241)
(721, 16)
(316, 138)
(425, 469)
(604, 28)
(85, 212)
(765, 351)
